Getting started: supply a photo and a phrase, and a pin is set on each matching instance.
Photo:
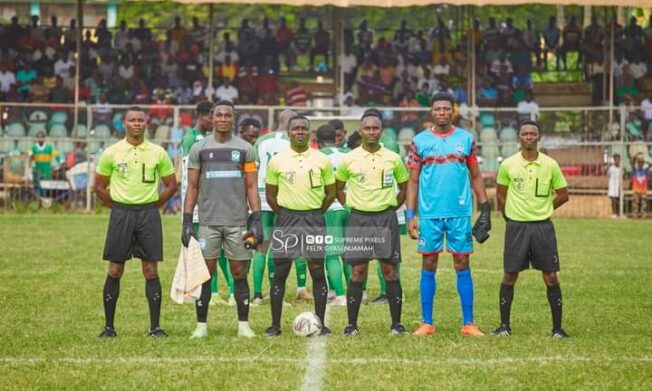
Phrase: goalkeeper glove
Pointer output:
(187, 230)
(482, 225)
(254, 235)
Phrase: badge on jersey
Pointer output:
(315, 179)
(235, 156)
(387, 179)
(361, 178)
(519, 184)
(290, 176)
(122, 168)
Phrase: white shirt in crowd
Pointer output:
(637, 69)
(531, 108)
(62, 68)
(615, 175)
(646, 106)
(347, 62)
(7, 79)
(229, 93)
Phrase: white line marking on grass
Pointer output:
(347, 361)
(313, 377)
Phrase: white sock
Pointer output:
(201, 324)
(243, 323)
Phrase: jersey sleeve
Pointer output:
(342, 174)
(472, 158)
(327, 175)
(415, 160)
(401, 173)
(272, 174)
(502, 178)
(165, 166)
(186, 143)
(105, 164)
(193, 157)
(558, 180)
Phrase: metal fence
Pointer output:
(582, 140)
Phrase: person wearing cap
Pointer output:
(372, 173)
(223, 164)
(133, 168)
(300, 186)
(444, 172)
(530, 185)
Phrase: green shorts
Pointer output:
(268, 219)
(335, 226)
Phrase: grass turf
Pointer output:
(50, 305)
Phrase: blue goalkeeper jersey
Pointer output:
(444, 181)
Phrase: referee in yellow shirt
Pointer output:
(372, 173)
(133, 167)
(525, 184)
(299, 186)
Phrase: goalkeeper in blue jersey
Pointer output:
(444, 170)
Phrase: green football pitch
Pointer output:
(51, 280)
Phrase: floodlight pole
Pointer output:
(611, 75)
(80, 26)
(471, 82)
(210, 46)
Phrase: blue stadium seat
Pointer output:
(508, 134)
(391, 132)
(80, 131)
(6, 145)
(15, 129)
(488, 135)
(102, 131)
(59, 117)
(58, 131)
(64, 146)
(36, 128)
(487, 120)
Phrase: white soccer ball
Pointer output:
(306, 324)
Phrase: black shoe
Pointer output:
(398, 330)
(325, 331)
(502, 331)
(350, 331)
(273, 331)
(559, 333)
(108, 332)
(157, 332)
(382, 299)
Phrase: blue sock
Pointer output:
(427, 289)
(465, 290)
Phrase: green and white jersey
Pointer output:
(335, 155)
(192, 137)
(266, 147)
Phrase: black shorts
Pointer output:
(298, 234)
(373, 235)
(530, 243)
(134, 232)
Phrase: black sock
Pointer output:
(395, 299)
(201, 305)
(154, 296)
(506, 296)
(241, 292)
(110, 298)
(319, 292)
(277, 291)
(554, 299)
(353, 301)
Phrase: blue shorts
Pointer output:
(457, 230)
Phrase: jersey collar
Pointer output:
(366, 153)
(526, 162)
(442, 135)
(144, 146)
(297, 154)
